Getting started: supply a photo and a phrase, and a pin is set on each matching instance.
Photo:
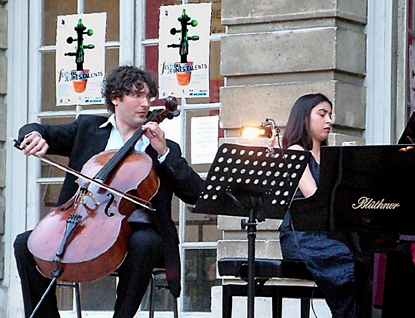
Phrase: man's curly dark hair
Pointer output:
(124, 80)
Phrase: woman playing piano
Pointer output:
(330, 261)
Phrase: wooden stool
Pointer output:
(264, 270)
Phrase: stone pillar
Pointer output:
(277, 50)
(274, 51)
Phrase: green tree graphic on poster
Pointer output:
(81, 74)
(184, 68)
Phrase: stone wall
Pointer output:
(275, 51)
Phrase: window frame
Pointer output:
(25, 90)
(184, 107)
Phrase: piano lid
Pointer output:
(361, 186)
(408, 135)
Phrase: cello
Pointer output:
(86, 238)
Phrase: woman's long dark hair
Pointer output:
(297, 131)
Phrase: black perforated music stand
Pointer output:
(257, 182)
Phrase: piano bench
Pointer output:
(264, 270)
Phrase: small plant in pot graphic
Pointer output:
(183, 68)
(80, 75)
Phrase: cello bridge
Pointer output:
(82, 196)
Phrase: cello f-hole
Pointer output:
(107, 207)
(65, 208)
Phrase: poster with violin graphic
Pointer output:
(80, 59)
(184, 50)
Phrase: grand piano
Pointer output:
(364, 189)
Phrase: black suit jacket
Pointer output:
(83, 139)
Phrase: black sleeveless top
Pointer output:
(315, 172)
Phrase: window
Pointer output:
(129, 39)
(198, 233)
(97, 296)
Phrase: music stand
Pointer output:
(252, 181)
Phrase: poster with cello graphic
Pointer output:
(184, 50)
(80, 59)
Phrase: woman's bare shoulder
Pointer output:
(296, 147)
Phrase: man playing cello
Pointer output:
(154, 241)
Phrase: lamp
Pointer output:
(251, 132)
(268, 129)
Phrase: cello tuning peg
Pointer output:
(171, 103)
(173, 113)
